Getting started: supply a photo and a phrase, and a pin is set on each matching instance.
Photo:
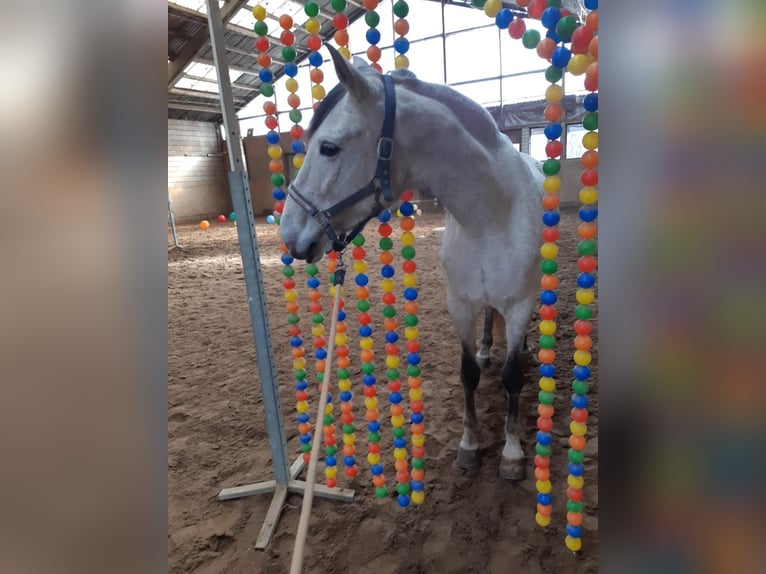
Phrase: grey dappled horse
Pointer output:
(441, 143)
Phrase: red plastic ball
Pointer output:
(262, 44)
(589, 177)
(314, 43)
(385, 229)
(548, 312)
(375, 66)
(586, 264)
(279, 206)
(294, 330)
(554, 148)
(574, 494)
(370, 391)
(580, 40)
(545, 424)
(416, 406)
(288, 284)
(340, 21)
(394, 386)
(342, 351)
(330, 482)
(583, 327)
(407, 195)
(271, 122)
(392, 349)
(551, 234)
(296, 132)
(536, 8)
(579, 415)
(409, 266)
(517, 28)
(388, 298)
(542, 461)
(287, 38)
(413, 346)
(221, 218)
(358, 253)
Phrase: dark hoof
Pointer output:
(483, 362)
(467, 459)
(513, 469)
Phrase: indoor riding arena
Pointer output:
(253, 73)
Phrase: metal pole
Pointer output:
(172, 219)
(248, 246)
(444, 46)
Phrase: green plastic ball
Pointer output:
(317, 318)
(306, 447)
(386, 244)
(584, 312)
(547, 341)
(545, 397)
(277, 179)
(261, 28)
(418, 463)
(288, 53)
(371, 19)
(549, 266)
(381, 491)
(543, 450)
(339, 5)
(327, 420)
(575, 456)
(295, 116)
(413, 371)
(331, 450)
(398, 432)
(358, 241)
(373, 437)
(402, 488)
(401, 9)
(389, 311)
(553, 74)
(590, 121)
(368, 368)
(580, 387)
(344, 373)
(408, 252)
(311, 269)
(574, 506)
(349, 428)
(530, 39)
(311, 9)
(300, 374)
(479, 3)
(551, 166)
(288, 271)
(293, 319)
(586, 247)
(267, 90)
(392, 374)
(565, 27)
(363, 305)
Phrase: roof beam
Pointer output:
(201, 94)
(233, 68)
(237, 85)
(193, 108)
(195, 44)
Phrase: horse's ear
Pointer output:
(352, 78)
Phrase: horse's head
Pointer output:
(337, 189)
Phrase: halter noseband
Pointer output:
(379, 183)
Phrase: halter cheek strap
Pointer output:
(379, 184)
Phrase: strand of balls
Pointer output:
(274, 152)
(367, 357)
(401, 27)
(390, 325)
(411, 332)
(340, 21)
(372, 19)
(586, 281)
(314, 43)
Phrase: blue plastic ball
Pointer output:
(581, 372)
(376, 469)
(401, 45)
(403, 500)
(278, 193)
(406, 208)
(551, 218)
(550, 17)
(265, 75)
(312, 283)
(413, 359)
(301, 385)
(291, 69)
(590, 102)
(272, 137)
(392, 336)
(270, 219)
(373, 426)
(588, 213)
(579, 401)
(315, 59)
(400, 442)
(553, 36)
(591, 4)
(298, 146)
(373, 36)
(560, 57)
(287, 258)
(233, 216)
(361, 279)
(349, 461)
(586, 280)
(296, 342)
(304, 417)
(410, 293)
(503, 18)
(365, 331)
(574, 531)
(345, 396)
(305, 438)
(417, 418)
(416, 485)
(553, 131)
(341, 315)
(575, 469)
(547, 370)
(548, 297)
(330, 461)
(544, 498)
(387, 271)
(369, 380)
(321, 353)
(395, 398)
(384, 215)
(544, 438)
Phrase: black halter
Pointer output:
(380, 182)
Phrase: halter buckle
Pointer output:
(385, 148)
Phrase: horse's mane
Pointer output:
(475, 119)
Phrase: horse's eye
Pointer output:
(329, 149)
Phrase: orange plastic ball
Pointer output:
(390, 324)
(341, 37)
(542, 474)
(408, 224)
(264, 60)
(544, 509)
(546, 355)
(204, 224)
(545, 410)
(590, 159)
(346, 408)
(370, 4)
(411, 307)
(386, 257)
(549, 282)
(269, 108)
(276, 166)
(379, 480)
(577, 442)
(587, 230)
(373, 53)
(551, 201)
(418, 474)
(298, 353)
(583, 342)
(367, 356)
(344, 362)
(286, 21)
(593, 47)
(293, 100)
(591, 21)
(292, 307)
(545, 48)
(320, 365)
(349, 449)
(400, 465)
(401, 27)
(418, 428)
(574, 518)
(396, 410)
(316, 75)
(341, 327)
(415, 382)
(553, 112)
(314, 295)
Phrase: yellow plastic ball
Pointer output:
(585, 296)
(411, 333)
(332, 290)
(573, 544)
(547, 384)
(299, 364)
(392, 361)
(575, 482)
(328, 409)
(317, 330)
(549, 250)
(492, 7)
(588, 195)
(259, 12)
(298, 160)
(409, 280)
(552, 184)
(547, 327)
(408, 238)
(590, 140)
(371, 403)
(578, 429)
(397, 421)
(418, 439)
(542, 520)
(416, 395)
(349, 439)
(312, 26)
(345, 52)
(400, 454)
(577, 64)
(360, 266)
(331, 471)
(373, 458)
(274, 151)
(291, 295)
(318, 92)
(417, 496)
(401, 61)
(366, 343)
(582, 358)
(291, 85)
(301, 406)
(387, 285)
(554, 93)
(344, 385)
(543, 486)
(341, 339)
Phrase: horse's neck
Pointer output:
(462, 171)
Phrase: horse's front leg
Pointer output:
(483, 357)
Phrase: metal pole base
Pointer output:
(280, 495)
(181, 247)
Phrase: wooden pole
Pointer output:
(308, 496)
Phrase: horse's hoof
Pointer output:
(468, 459)
(483, 362)
(513, 469)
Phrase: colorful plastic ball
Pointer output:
(553, 132)
(503, 18)
(517, 28)
(565, 27)
(372, 19)
(573, 544)
(270, 219)
(221, 218)
(492, 7)
(545, 48)
(338, 5)
(373, 36)
(316, 59)
(291, 69)
(403, 500)
(591, 4)
(588, 213)
(401, 27)
(550, 17)
(560, 57)
(262, 44)
(204, 224)
(232, 216)
(286, 21)
(530, 39)
(272, 137)
(536, 8)
(288, 53)
(401, 9)
(261, 28)
(259, 12)
(264, 60)
(590, 102)
(581, 38)
(287, 38)
(401, 45)
(578, 64)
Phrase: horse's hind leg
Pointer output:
(512, 464)
(464, 317)
(482, 357)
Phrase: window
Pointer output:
(575, 148)
(537, 143)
